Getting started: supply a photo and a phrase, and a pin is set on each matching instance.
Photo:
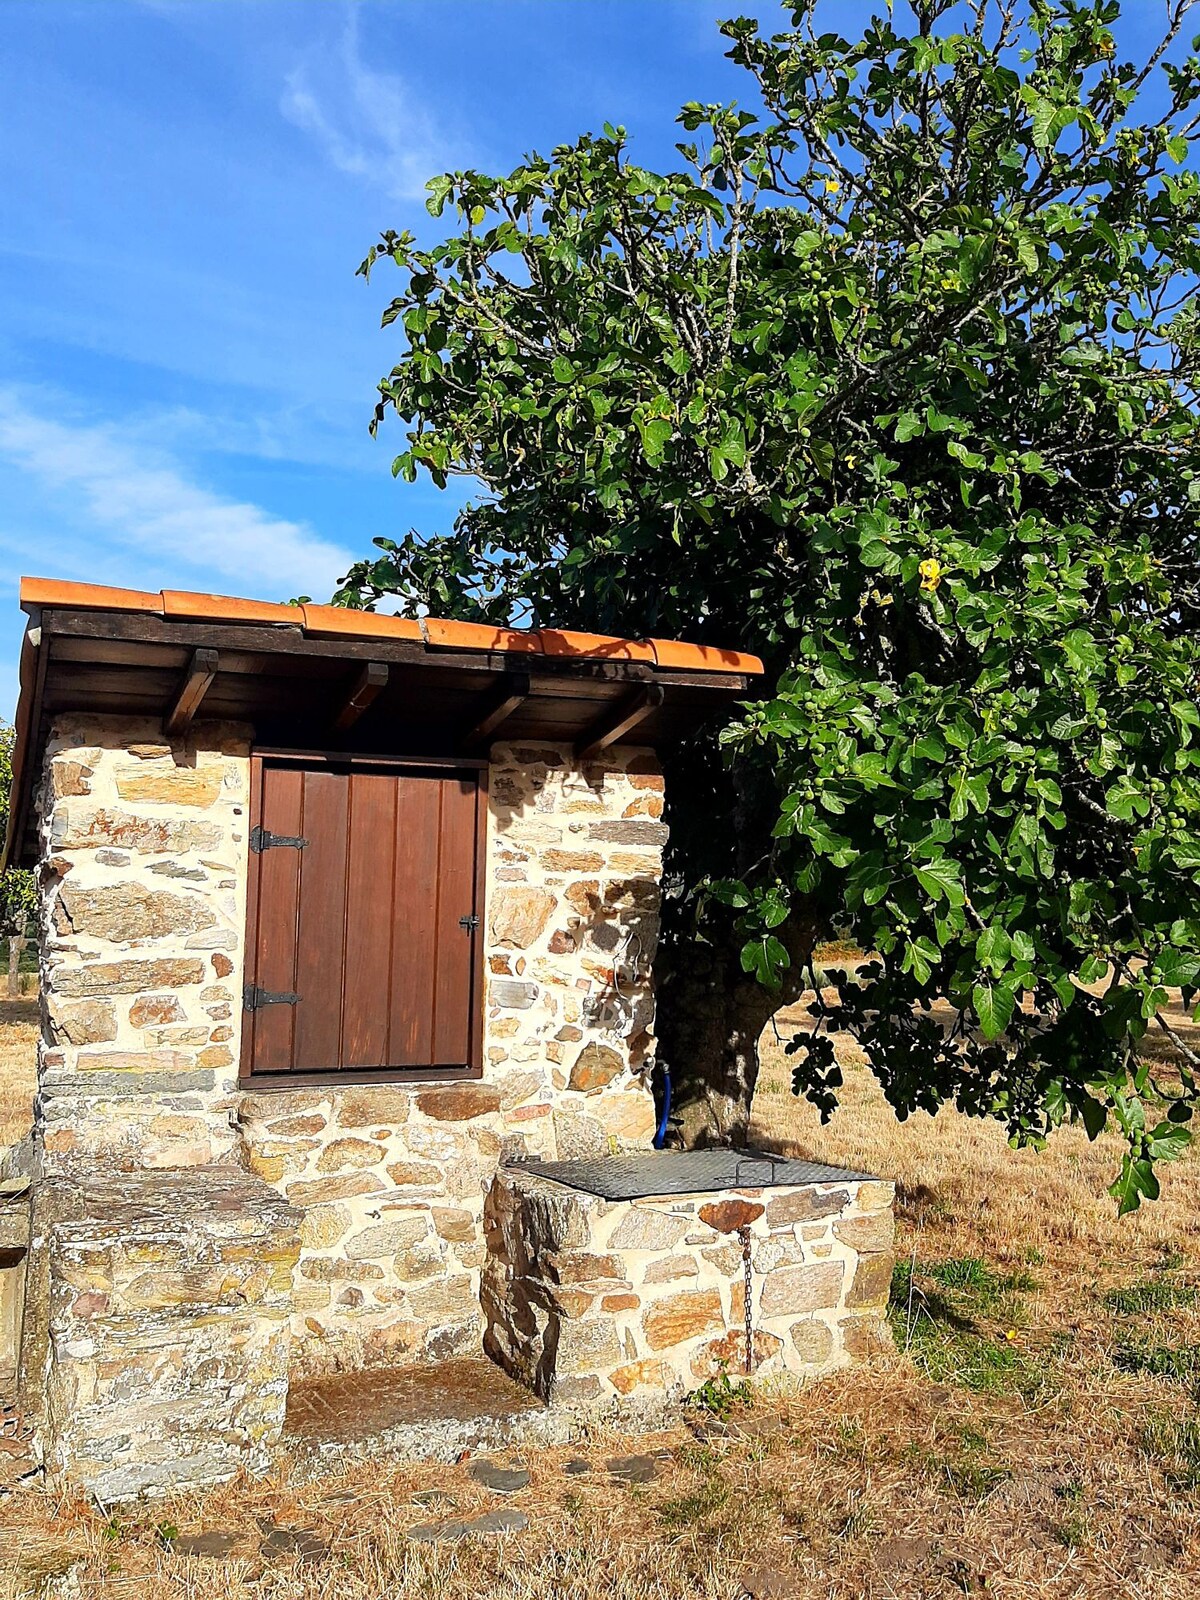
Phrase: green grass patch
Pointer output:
(977, 1362)
(964, 1272)
(1075, 1527)
(962, 1461)
(932, 1312)
(1178, 1362)
(1151, 1295)
(973, 1280)
(975, 1480)
(1173, 1443)
(702, 1502)
(686, 1510)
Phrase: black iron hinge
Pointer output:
(254, 998)
(263, 839)
(469, 924)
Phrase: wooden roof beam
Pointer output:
(201, 671)
(248, 650)
(495, 709)
(624, 717)
(369, 683)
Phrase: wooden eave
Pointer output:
(367, 695)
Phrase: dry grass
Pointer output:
(1049, 1463)
(18, 1068)
(962, 1191)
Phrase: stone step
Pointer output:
(434, 1411)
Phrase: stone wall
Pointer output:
(143, 877)
(143, 898)
(589, 1301)
(391, 1179)
(192, 1242)
(169, 1305)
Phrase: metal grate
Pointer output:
(654, 1172)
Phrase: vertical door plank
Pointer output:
(455, 945)
(274, 962)
(414, 912)
(321, 925)
(250, 938)
(370, 919)
(475, 1020)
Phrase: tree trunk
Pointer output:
(16, 944)
(710, 1013)
(710, 1017)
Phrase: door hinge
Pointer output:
(469, 924)
(254, 998)
(263, 839)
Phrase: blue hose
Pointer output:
(660, 1136)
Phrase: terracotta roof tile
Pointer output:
(479, 636)
(224, 608)
(562, 642)
(675, 656)
(86, 596)
(336, 621)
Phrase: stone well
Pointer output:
(591, 1300)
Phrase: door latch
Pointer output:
(469, 924)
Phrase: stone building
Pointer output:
(348, 927)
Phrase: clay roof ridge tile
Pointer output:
(435, 633)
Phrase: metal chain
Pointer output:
(744, 1236)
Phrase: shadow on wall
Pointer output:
(609, 919)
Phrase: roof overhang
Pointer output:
(323, 678)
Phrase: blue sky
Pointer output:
(187, 361)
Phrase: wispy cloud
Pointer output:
(368, 122)
(142, 499)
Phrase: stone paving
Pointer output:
(451, 1532)
(505, 1480)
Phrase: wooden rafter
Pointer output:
(194, 685)
(370, 682)
(624, 717)
(274, 677)
(494, 709)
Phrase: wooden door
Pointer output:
(363, 941)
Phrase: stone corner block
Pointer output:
(169, 1305)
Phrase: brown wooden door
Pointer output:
(363, 939)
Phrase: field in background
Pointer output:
(961, 1190)
(18, 1076)
(1036, 1432)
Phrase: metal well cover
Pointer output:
(655, 1172)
